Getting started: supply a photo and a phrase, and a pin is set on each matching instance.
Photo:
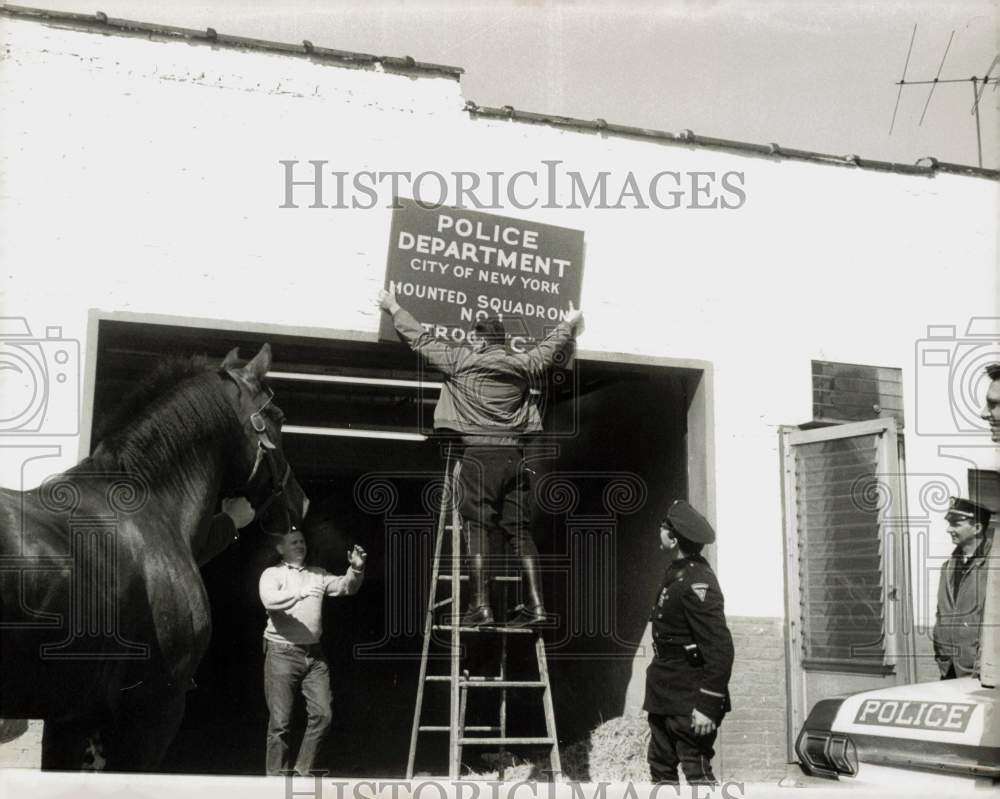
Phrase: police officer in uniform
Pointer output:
(686, 682)
(962, 589)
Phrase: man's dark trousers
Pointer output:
(672, 742)
(496, 500)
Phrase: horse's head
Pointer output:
(269, 484)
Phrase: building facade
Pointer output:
(164, 191)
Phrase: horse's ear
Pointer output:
(261, 362)
(229, 362)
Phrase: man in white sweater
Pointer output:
(292, 594)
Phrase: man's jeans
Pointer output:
(286, 667)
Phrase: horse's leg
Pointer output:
(145, 725)
(72, 746)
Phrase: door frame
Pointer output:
(900, 653)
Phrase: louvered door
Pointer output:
(848, 597)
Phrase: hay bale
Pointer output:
(531, 765)
(613, 752)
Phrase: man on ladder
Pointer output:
(486, 400)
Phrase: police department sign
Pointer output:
(945, 716)
(451, 267)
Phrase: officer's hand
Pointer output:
(357, 557)
(387, 300)
(313, 589)
(700, 723)
(239, 510)
(575, 317)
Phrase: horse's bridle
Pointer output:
(265, 452)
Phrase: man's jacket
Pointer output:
(487, 392)
(960, 613)
(693, 649)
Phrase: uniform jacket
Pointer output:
(485, 393)
(689, 609)
(959, 615)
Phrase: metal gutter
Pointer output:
(102, 23)
(927, 167)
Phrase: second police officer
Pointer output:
(687, 681)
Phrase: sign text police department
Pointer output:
(450, 267)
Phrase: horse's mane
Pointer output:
(158, 423)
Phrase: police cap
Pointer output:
(961, 509)
(686, 521)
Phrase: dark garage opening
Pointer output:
(617, 434)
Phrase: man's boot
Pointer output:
(533, 611)
(479, 611)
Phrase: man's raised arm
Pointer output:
(543, 354)
(438, 354)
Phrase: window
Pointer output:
(840, 557)
(846, 560)
(850, 392)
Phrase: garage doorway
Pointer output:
(359, 412)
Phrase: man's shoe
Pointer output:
(478, 616)
(523, 616)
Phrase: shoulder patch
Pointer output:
(700, 589)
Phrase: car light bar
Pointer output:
(827, 754)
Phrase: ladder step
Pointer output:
(504, 578)
(436, 728)
(486, 682)
(495, 683)
(488, 629)
(497, 741)
(442, 603)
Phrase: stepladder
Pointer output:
(491, 694)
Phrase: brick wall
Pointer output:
(753, 736)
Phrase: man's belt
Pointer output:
(664, 650)
(309, 649)
(471, 440)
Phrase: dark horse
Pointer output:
(104, 615)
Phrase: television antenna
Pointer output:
(978, 87)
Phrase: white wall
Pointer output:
(143, 176)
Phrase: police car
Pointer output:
(939, 733)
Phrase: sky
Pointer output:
(811, 75)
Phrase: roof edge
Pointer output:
(102, 23)
(926, 167)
